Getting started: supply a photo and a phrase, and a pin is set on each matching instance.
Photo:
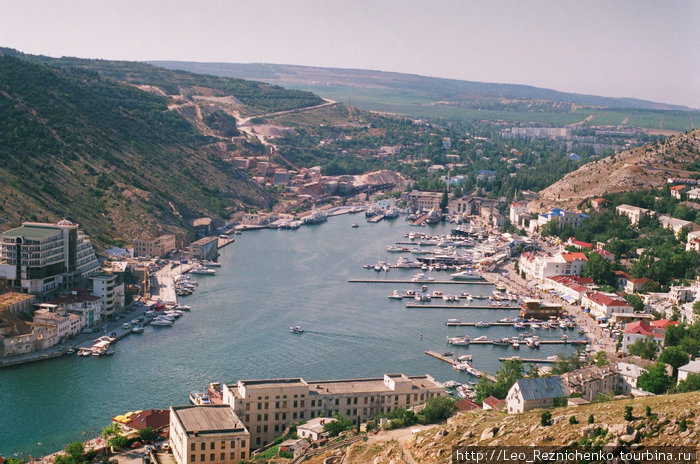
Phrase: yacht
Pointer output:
(467, 274)
(395, 295)
(296, 329)
(355, 226)
(199, 399)
(451, 384)
(458, 341)
(161, 322)
(516, 344)
(482, 324)
(465, 358)
(420, 277)
(391, 213)
(483, 338)
(138, 329)
(396, 249)
(433, 217)
(208, 263)
(182, 307)
(501, 342)
(202, 270)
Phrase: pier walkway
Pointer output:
(454, 306)
(454, 363)
(529, 360)
(422, 282)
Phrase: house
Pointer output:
(571, 288)
(634, 213)
(677, 191)
(539, 267)
(628, 374)
(156, 419)
(465, 404)
(693, 240)
(294, 446)
(635, 285)
(643, 329)
(313, 428)
(599, 204)
(621, 277)
(694, 194)
(602, 305)
(676, 225)
(516, 209)
(493, 403)
(579, 244)
(693, 367)
(590, 382)
(561, 217)
(605, 254)
(531, 393)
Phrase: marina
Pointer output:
(454, 306)
(529, 360)
(439, 282)
(452, 362)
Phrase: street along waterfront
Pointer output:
(239, 329)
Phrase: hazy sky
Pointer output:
(646, 49)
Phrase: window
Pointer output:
(243, 454)
(259, 417)
(277, 416)
(202, 446)
(223, 456)
(203, 458)
(223, 445)
(337, 401)
(294, 415)
(192, 447)
(211, 446)
(277, 404)
(192, 456)
(347, 413)
(232, 456)
(233, 444)
(301, 415)
(247, 407)
(284, 404)
(211, 457)
(243, 445)
(313, 403)
(264, 428)
(258, 429)
(265, 417)
(349, 400)
(354, 401)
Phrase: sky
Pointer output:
(648, 49)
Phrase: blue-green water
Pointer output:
(239, 329)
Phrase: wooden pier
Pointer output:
(376, 218)
(453, 306)
(422, 282)
(453, 362)
(529, 360)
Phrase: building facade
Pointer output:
(156, 248)
(207, 434)
(539, 267)
(532, 393)
(110, 291)
(634, 213)
(38, 258)
(267, 407)
(205, 248)
(590, 382)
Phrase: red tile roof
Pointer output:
(642, 328)
(154, 418)
(493, 401)
(663, 323)
(605, 300)
(678, 187)
(568, 257)
(466, 405)
(638, 281)
(622, 274)
(598, 200)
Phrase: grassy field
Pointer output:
(420, 105)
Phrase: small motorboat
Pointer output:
(296, 329)
(355, 226)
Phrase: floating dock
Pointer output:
(453, 306)
(376, 218)
(453, 362)
(422, 282)
(529, 360)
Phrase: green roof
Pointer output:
(33, 232)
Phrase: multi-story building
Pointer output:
(65, 324)
(539, 267)
(205, 248)
(571, 288)
(207, 435)
(110, 291)
(642, 329)
(424, 201)
(157, 247)
(676, 225)
(634, 213)
(79, 302)
(516, 209)
(628, 374)
(39, 338)
(590, 382)
(561, 217)
(602, 305)
(17, 303)
(267, 407)
(38, 258)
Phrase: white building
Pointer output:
(516, 209)
(79, 302)
(634, 213)
(207, 434)
(676, 225)
(693, 241)
(532, 393)
(111, 293)
(65, 324)
(539, 267)
(628, 376)
(39, 257)
(693, 367)
(561, 217)
(313, 429)
(603, 305)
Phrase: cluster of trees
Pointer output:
(510, 371)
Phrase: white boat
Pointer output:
(199, 399)
(395, 295)
(391, 213)
(126, 325)
(211, 264)
(182, 307)
(202, 270)
(467, 274)
(473, 371)
(453, 320)
(355, 226)
(137, 329)
(482, 324)
(161, 322)
(458, 341)
(465, 357)
(516, 345)
(420, 277)
(396, 249)
(451, 384)
(483, 338)
(296, 329)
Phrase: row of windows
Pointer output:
(212, 457)
(212, 445)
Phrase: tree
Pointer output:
(644, 347)
(546, 419)
(600, 359)
(689, 384)
(675, 356)
(636, 301)
(573, 420)
(76, 451)
(148, 434)
(598, 268)
(674, 334)
(437, 410)
(591, 419)
(628, 413)
(655, 380)
(443, 200)
(340, 424)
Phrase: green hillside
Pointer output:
(106, 155)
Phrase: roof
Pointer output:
(621, 274)
(599, 200)
(630, 370)
(154, 418)
(540, 388)
(581, 244)
(663, 323)
(642, 328)
(218, 418)
(10, 298)
(676, 188)
(641, 281)
(466, 405)
(605, 300)
(693, 367)
(70, 298)
(33, 232)
(201, 222)
(315, 425)
(492, 401)
(568, 257)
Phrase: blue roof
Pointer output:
(540, 388)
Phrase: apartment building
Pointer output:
(424, 201)
(634, 213)
(267, 407)
(38, 257)
(156, 247)
(590, 382)
(79, 302)
(540, 267)
(207, 434)
(57, 318)
(108, 288)
(602, 305)
(561, 217)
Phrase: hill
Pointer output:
(422, 96)
(640, 168)
(491, 428)
(120, 161)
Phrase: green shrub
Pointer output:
(628, 413)
(546, 419)
(573, 420)
(591, 419)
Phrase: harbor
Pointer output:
(453, 306)
(419, 282)
(454, 363)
